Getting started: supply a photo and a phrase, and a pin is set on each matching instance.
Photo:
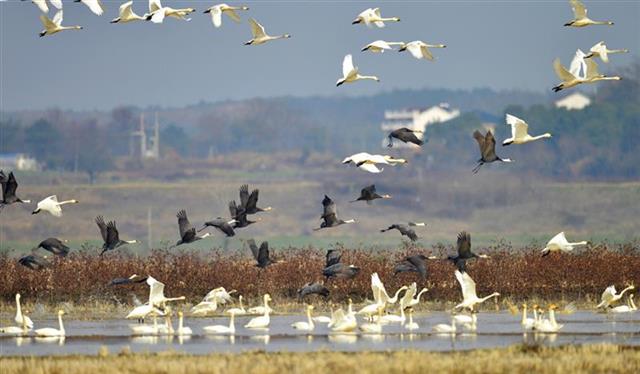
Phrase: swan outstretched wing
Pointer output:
(519, 128)
(601, 50)
(578, 64)
(591, 68)
(562, 72)
(125, 9)
(158, 16)
(559, 239)
(257, 29)
(95, 6)
(154, 5)
(216, 16)
(467, 285)
(57, 19)
(56, 3)
(579, 11)
(233, 15)
(42, 5)
(371, 168)
(347, 66)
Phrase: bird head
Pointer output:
(356, 21)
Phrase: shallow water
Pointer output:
(494, 330)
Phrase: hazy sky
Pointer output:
(498, 44)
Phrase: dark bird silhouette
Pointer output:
(222, 225)
(134, 279)
(33, 262)
(415, 264)
(340, 270)
(487, 146)
(239, 215)
(464, 251)
(405, 135)
(329, 215)
(186, 230)
(9, 187)
(313, 288)
(249, 202)
(55, 246)
(261, 254)
(405, 230)
(110, 235)
(333, 257)
(369, 194)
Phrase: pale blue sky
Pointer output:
(497, 44)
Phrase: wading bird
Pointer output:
(559, 243)
(249, 202)
(52, 332)
(600, 50)
(260, 36)
(411, 325)
(261, 255)
(182, 329)
(580, 18)
(369, 194)
(95, 6)
(222, 225)
(519, 131)
(9, 187)
(443, 328)
(610, 296)
(405, 230)
(239, 311)
(329, 215)
(110, 235)
(313, 288)
(52, 205)
(372, 16)
(262, 321)
(405, 135)
(262, 309)
(420, 49)
(218, 10)
(379, 46)
(412, 264)
(463, 246)
(411, 298)
(186, 230)
(351, 74)
(547, 325)
(630, 307)
(21, 318)
(468, 287)
(307, 325)
(157, 12)
(487, 144)
(126, 14)
(55, 246)
(222, 329)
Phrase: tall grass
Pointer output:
(83, 275)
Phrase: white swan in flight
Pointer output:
(572, 77)
(560, 243)
(379, 46)
(42, 4)
(519, 131)
(371, 16)
(367, 162)
(95, 6)
(53, 26)
(159, 12)
(593, 75)
(52, 205)
(610, 296)
(260, 36)
(420, 49)
(600, 50)
(350, 73)
(126, 14)
(580, 18)
(219, 9)
(52, 332)
(468, 286)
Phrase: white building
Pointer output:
(575, 101)
(18, 161)
(416, 119)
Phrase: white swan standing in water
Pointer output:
(262, 321)
(305, 325)
(52, 332)
(20, 318)
(222, 329)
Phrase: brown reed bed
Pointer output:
(517, 274)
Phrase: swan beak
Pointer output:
(364, 49)
(356, 21)
(36, 211)
(403, 48)
(207, 11)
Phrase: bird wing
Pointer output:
(562, 72)
(405, 230)
(233, 15)
(233, 209)
(347, 66)
(601, 50)
(125, 9)
(256, 29)
(467, 285)
(95, 6)
(591, 68)
(464, 244)
(419, 264)
(244, 195)
(156, 291)
(559, 239)
(216, 16)
(608, 294)
(489, 151)
(480, 139)
(102, 226)
(56, 3)
(368, 191)
(183, 223)
(11, 185)
(333, 257)
(154, 5)
(254, 249)
(329, 207)
(371, 168)
(578, 64)
(263, 253)
(409, 294)
(252, 202)
(519, 128)
(579, 11)
(112, 233)
(380, 44)
(426, 52)
(42, 5)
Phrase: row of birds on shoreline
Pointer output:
(340, 321)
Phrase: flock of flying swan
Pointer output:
(373, 316)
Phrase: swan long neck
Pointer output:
(232, 327)
(625, 290)
(60, 325)
(524, 314)
(371, 77)
(488, 297)
(241, 307)
(420, 294)
(552, 317)
(584, 242)
(68, 202)
(18, 308)
(546, 135)
(180, 323)
(632, 304)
